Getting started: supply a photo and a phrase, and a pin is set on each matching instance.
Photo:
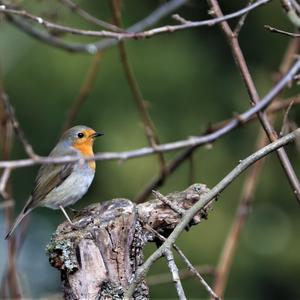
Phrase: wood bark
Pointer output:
(99, 256)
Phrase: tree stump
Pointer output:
(98, 260)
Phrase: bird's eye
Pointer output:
(80, 135)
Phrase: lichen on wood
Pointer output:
(98, 258)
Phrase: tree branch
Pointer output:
(192, 141)
(93, 48)
(255, 100)
(205, 200)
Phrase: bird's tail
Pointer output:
(25, 211)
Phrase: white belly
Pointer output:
(71, 190)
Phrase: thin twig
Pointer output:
(157, 181)
(284, 125)
(180, 19)
(10, 276)
(190, 266)
(197, 274)
(192, 141)
(255, 99)
(88, 17)
(205, 200)
(250, 183)
(241, 22)
(11, 113)
(242, 211)
(292, 11)
(174, 273)
(283, 32)
(136, 92)
(3, 182)
(92, 48)
(128, 35)
(169, 203)
(185, 273)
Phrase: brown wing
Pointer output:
(49, 177)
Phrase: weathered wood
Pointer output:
(98, 259)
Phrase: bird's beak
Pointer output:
(96, 134)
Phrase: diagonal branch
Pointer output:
(190, 142)
(175, 274)
(250, 184)
(190, 266)
(93, 48)
(205, 200)
(254, 98)
(88, 17)
(158, 180)
(16, 126)
(137, 95)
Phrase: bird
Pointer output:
(60, 185)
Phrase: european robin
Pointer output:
(61, 185)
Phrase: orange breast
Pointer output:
(87, 150)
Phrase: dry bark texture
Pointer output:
(98, 260)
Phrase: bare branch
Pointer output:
(10, 111)
(127, 35)
(166, 201)
(136, 92)
(250, 184)
(255, 99)
(175, 274)
(92, 48)
(191, 268)
(292, 11)
(196, 273)
(192, 141)
(88, 17)
(205, 200)
(158, 180)
(242, 211)
(3, 182)
(286, 33)
(241, 22)
(185, 273)
(285, 119)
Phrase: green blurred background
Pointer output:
(189, 80)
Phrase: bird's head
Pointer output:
(81, 138)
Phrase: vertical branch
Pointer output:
(136, 91)
(88, 17)
(254, 98)
(11, 287)
(15, 124)
(250, 183)
(85, 90)
(190, 266)
(175, 274)
(230, 245)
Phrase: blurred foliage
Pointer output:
(189, 80)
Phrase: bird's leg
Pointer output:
(66, 215)
(74, 226)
